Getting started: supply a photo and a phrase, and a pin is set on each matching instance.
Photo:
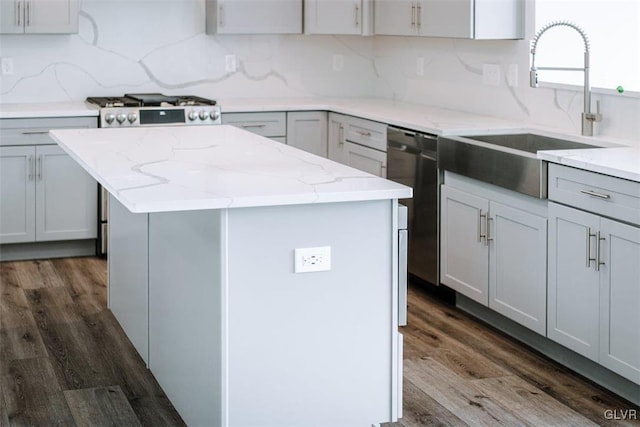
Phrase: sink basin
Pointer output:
(529, 142)
(508, 161)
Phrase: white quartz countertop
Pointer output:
(54, 109)
(621, 162)
(418, 117)
(161, 169)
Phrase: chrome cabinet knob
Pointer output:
(192, 115)
(109, 118)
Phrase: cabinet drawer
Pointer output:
(602, 194)
(367, 133)
(36, 131)
(265, 124)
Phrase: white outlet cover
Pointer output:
(309, 260)
(512, 76)
(338, 62)
(420, 66)
(7, 66)
(491, 74)
(230, 63)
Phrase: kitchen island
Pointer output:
(205, 224)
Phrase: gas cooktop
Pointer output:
(155, 109)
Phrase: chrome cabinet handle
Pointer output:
(254, 126)
(35, 132)
(221, 15)
(480, 216)
(364, 133)
(341, 135)
(418, 13)
(488, 236)
(413, 14)
(28, 13)
(599, 239)
(30, 161)
(357, 13)
(19, 12)
(39, 169)
(594, 194)
(589, 236)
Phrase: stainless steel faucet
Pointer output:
(587, 116)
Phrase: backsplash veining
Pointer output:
(160, 46)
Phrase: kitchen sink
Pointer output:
(508, 161)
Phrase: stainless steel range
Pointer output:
(148, 109)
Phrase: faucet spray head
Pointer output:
(533, 77)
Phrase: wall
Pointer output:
(160, 46)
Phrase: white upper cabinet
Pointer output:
(338, 17)
(38, 16)
(471, 19)
(254, 16)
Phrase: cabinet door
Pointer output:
(51, 16)
(464, 262)
(518, 266)
(573, 294)
(336, 138)
(333, 16)
(620, 299)
(396, 17)
(446, 18)
(17, 194)
(307, 130)
(366, 159)
(66, 197)
(259, 16)
(11, 17)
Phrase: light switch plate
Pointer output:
(7, 66)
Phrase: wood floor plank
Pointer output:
(557, 381)
(536, 406)
(102, 406)
(52, 305)
(152, 412)
(458, 395)
(421, 410)
(37, 274)
(32, 394)
(14, 308)
(21, 343)
(86, 282)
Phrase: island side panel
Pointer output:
(128, 278)
(312, 348)
(185, 282)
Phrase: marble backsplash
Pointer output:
(160, 46)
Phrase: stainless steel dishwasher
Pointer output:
(412, 160)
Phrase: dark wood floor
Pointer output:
(65, 361)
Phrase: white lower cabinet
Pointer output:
(358, 143)
(307, 130)
(495, 253)
(45, 196)
(594, 288)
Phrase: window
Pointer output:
(613, 29)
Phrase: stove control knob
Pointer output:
(214, 114)
(121, 118)
(193, 115)
(132, 117)
(109, 118)
(204, 115)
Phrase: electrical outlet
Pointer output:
(230, 63)
(338, 62)
(491, 74)
(420, 66)
(308, 260)
(512, 75)
(7, 66)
